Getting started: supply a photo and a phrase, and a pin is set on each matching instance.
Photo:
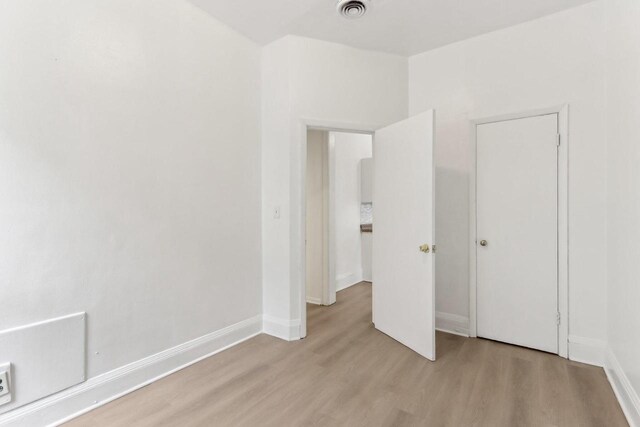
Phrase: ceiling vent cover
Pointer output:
(353, 9)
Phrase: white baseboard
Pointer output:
(587, 350)
(452, 324)
(347, 280)
(312, 300)
(288, 330)
(624, 391)
(99, 390)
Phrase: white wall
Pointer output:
(554, 60)
(349, 149)
(367, 257)
(623, 185)
(316, 221)
(366, 196)
(310, 79)
(129, 172)
(366, 180)
(275, 169)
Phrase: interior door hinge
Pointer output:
(558, 137)
(558, 318)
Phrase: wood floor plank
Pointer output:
(346, 373)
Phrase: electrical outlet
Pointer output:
(5, 383)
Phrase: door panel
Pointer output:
(517, 270)
(403, 203)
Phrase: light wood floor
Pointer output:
(345, 373)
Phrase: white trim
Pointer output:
(288, 330)
(452, 324)
(587, 350)
(347, 280)
(563, 219)
(326, 238)
(102, 389)
(330, 285)
(624, 391)
(298, 199)
(563, 231)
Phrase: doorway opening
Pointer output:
(402, 296)
(338, 218)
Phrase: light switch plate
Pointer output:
(5, 383)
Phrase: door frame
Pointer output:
(328, 126)
(563, 218)
(327, 297)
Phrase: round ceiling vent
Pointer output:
(353, 9)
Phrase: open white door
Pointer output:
(403, 233)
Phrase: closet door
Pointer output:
(517, 232)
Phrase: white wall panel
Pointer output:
(46, 357)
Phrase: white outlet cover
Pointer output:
(5, 383)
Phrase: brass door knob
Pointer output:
(424, 248)
(484, 243)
